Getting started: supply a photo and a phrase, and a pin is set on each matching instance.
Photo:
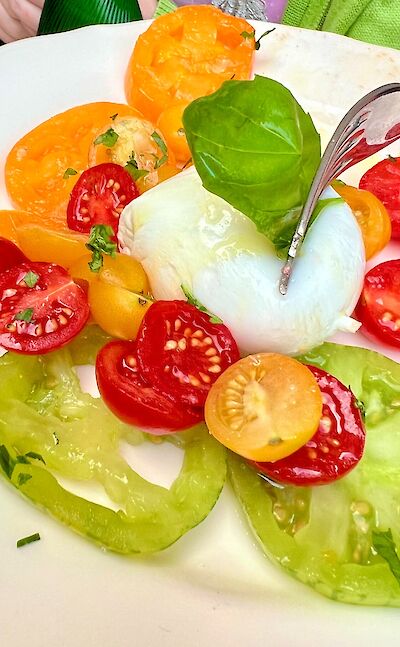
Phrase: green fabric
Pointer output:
(374, 21)
(163, 7)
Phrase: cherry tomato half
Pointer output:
(181, 353)
(132, 399)
(264, 407)
(378, 308)
(383, 180)
(10, 254)
(42, 308)
(335, 448)
(99, 197)
(371, 215)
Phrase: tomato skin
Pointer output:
(371, 215)
(59, 308)
(336, 447)
(379, 305)
(131, 399)
(99, 196)
(181, 353)
(10, 255)
(383, 180)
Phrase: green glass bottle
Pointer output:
(63, 15)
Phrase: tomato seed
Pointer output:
(177, 324)
(131, 361)
(207, 341)
(122, 198)
(215, 359)
(182, 344)
(198, 334)
(67, 311)
(9, 293)
(312, 454)
(85, 197)
(39, 330)
(206, 378)
(387, 316)
(109, 183)
(194, 381)
(115, 214)
(211, 351)
(324, 449)
(187, 332)
(171, 345)
(62, 320)
(11, 327)
(195, 342)
(84, 210)
(214, 369)
(117, 186)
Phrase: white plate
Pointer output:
(214, 586)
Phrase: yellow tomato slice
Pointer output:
(371, 215)
(117, 310)
(61, 247)
(264, 407)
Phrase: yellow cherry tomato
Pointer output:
(264, 407)
(61, 247)
(118, 294)
(371, 215)
(170, 124)
(117, 310)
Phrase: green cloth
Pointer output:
(163, 7)
(374, 21)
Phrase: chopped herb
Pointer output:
(28, 540)
(386, 548)
(68, 172)
(392, 159)
(22, 459)
(109, 138)
(7, 464)
(181, 132)
(23, 478)
(114, 116)
(100, 242)
(24, 315)
(232, 77)
(163, 148)
(142, 301)
(56, 438)
(194, 302)
(248, 34)
(361, 406)
(133, 170)
(257, 44)
(31, 278)
(36, 456)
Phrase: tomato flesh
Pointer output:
(379, 305)
(383, 180)
(181, 352)
(99, 197)
(264, 407)
(132, 399)
(43, 315)
(10, 255)
(336, 447)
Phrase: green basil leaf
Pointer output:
(68, 172)
(134, 171)
(109, 138)
(253, 145)
(163, 148)
(31, 278)
(28, 540)
(197, 304)
(386, 548)
(100, 242)
(24, 315)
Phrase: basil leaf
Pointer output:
(23, 478)
(386, 548)
(163, 148)
(100, 242)
(28, 540)
(253, 145)
(36, 456)
(31, 278)
(24, 315)
(68, 172)
(133, 170)
(194, 302)
(109, 138)
(7, 464)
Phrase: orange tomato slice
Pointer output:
(36, 165)
(8, 225)
(61, 247)
(185, 55)
(264, 407)
(371, 215)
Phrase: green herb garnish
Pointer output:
(163, 148)
(24, 315)
(68, 172)
(194, 302)
(252, 34)
(36, 456)
(133, 170)
(7, 464)
(114, 116)
(386, 548)
(28, 540)
(23, 478)
(100, 242)
(31, 278)
(109, 138)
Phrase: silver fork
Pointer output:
(370, 125)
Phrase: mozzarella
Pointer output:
(182, 234)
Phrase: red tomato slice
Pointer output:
(379, 306)
(10, 254)
(335, 448)
(181, 353)
(131, 399)
(383, 180)
(99, 196)
(42, 308)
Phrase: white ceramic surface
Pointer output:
(214, 586)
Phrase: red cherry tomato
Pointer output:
(383, 180)
(99, 196)
(335, 448)
(379, 305)
(181, 353)
(42, 308)
(10, 254)
(132, 399)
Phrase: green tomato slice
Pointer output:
(49, 426)
(326, 536)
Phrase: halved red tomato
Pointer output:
(336, 447)
(181, 352)
(10, 254)
(379, 305)
(99, 196)
(383, 180)
(132, 399)
(42, 308)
